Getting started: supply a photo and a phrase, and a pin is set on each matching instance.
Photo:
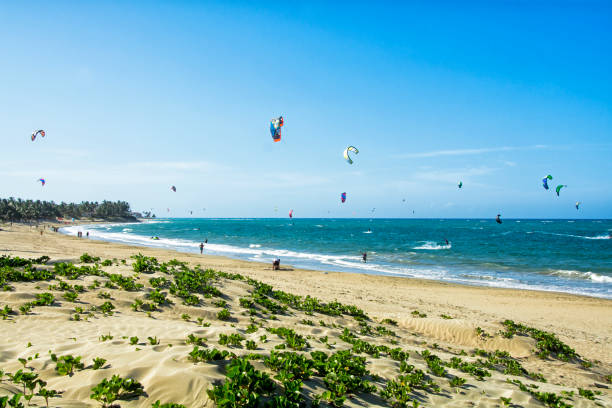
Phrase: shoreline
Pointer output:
(334, 268)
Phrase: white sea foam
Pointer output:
(603, 236)
(592, 276)
(430, 245)
(254, 246)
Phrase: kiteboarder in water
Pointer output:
(447, 243)
(499, 221)
(365, 257)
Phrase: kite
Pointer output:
(346, 155)
(290, 213)
(559, 187)
(460, 184)
(36, 133)
(275, 128)
(403, 200)
(545, 181)
(343, 197)
(42, 182)
(578, 205)
(173, 189)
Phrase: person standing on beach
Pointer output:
(365, 257)
(201, 248)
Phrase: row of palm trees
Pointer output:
(12, 209)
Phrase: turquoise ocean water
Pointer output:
(572, 256)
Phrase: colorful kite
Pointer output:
(545, 181)
(346, 153)
(559, 187)
(275, 128)
(36, 133)
(343, 197)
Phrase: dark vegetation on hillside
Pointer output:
(17, 210)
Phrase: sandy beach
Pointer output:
(448, 320)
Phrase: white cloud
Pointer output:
(465, 152)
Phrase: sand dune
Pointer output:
(167, 374)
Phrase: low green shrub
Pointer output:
(232, 340)
(547, 343)
(244, 386)
(223, 314)
(144, 264)
(198, 341)
(98, 363)
(86, 258)
(66, 365)
(117, 388)
(204, 355)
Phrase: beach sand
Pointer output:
(167, 374)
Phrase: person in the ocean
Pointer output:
(201, 248)
(206, 241)
(446, 240)
(498, 219)
(365, 257)
(369, 230)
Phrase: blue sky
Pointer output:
(141, 96)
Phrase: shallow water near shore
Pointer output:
(573, 256)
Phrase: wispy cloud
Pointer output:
(452, 176)
(466, 152)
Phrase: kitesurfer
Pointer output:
(365, 257)
(447, 243)
(498, 219)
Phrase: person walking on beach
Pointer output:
(201, 248)
(365, 257)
